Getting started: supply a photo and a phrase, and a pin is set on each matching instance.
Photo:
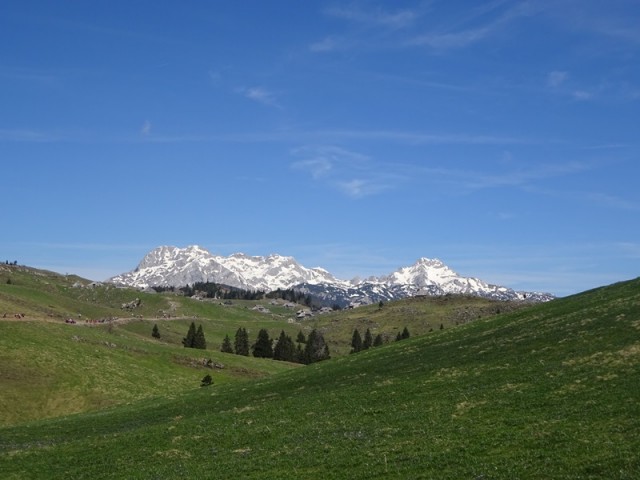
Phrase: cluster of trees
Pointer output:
(15, 262)
(285, 349)
(358, 343)
(214, 290)
(195, 338)
(404, 335)
(291, 295)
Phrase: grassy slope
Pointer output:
(49, 368)
(548, 392)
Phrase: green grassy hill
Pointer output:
(552, 391)
(50, 368)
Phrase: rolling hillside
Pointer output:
(50, 368)
(551, 391)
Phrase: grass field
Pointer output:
(49, 368)
(551, 391)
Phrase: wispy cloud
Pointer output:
(373, 17)
(478, 28)
(368, 28)
(19, 135)
(318, 167)
(354, 174)
(146, 128)
(260, 95)
(556, 78)
(582, 95)
(359, 188)
(613, 201)
(327, 44)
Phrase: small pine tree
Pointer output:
(441, 326)
(368, 340)
(284, 349)
(191, 334)
(299, 354)
(405, 333)
(198, 340)
(242, 342)
(378, 341)
(155, 333)
(356, 341)
(398, 337)
(316, 348)
(206, 381)
(301, 338)
(226, 345)
(262, 348)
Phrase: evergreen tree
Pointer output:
(301, 338)
(405, 333)
(368, 340)
(262, 348)
(284, 349)
(226, 345)
(299, 354)
(155, 333)
(199, 340)
(398, 337)
(191, 334)
(377, 341)
(356, 341)
(242, 342)
(206, 381)
(316, 348)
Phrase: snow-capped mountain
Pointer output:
(172, 266)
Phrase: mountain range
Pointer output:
(169, 266)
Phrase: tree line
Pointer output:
(214, 290)
(358, 343)
(284, 349)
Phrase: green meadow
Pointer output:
(544, 391)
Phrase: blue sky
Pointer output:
(501, 137)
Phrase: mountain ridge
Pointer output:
(169, 266)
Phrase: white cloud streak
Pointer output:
(260, 95)
(556, 78)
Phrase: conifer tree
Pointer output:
(155, 333)
(299, 354)
(316, 348)
(356, 341)
(301, 338)
(198, 340)
(191, 334)
(378, 340)
(226, 345)
(206, 381)
(284, 349)
(405, 333)
(262, 348)
(398, 337)
(368, 340)
(242, 342)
